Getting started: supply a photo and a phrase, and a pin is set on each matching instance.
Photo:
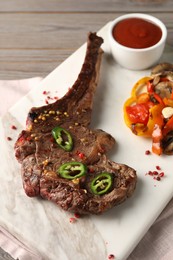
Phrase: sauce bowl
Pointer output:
(134, 58)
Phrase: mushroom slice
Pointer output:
(169, 75)
(162, 67)
(164, 89)
(156, 80)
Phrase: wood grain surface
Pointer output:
(37, 35)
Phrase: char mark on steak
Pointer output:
(41, 156)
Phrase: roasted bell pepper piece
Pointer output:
(150, 87)
(135, 125)
(143, 98)
(158, 98)
(168, 102)
(140, 87)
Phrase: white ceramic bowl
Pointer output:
(137, 59)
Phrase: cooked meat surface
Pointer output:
(58, 136)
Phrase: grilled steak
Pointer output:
(62, 159)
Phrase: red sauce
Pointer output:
(137, 33)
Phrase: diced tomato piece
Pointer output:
(138, 113)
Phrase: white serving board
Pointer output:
(43, 226)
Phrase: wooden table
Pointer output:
(37, 35)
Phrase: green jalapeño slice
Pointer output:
(72, 170)
(101, 184)
(63, 138)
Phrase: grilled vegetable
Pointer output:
(148, 111)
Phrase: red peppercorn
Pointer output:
(158, 167)
(150, 173)
(13, 127)
(111, 257)
(155, 173)
(72, 220)
(91, 170)
(81, 155)
(158, 178)
(147, 152)
(21, 139)
(44, 92)
(161, 174)
(52, 140)
(9, 138)
(77, 215)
